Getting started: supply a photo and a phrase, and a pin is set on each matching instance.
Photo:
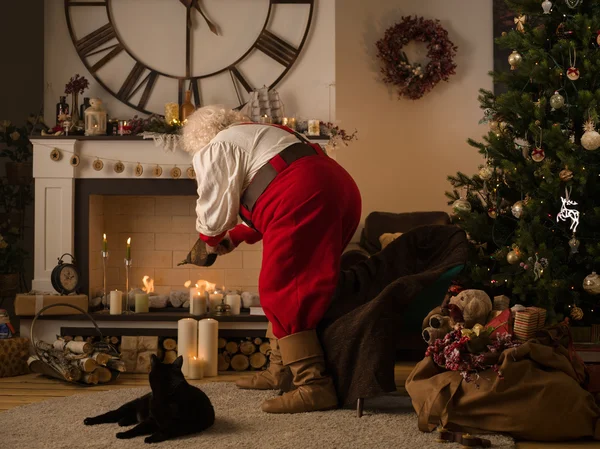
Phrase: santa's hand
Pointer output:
(225, 246)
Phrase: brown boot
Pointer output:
(275, 377)
(314, 391)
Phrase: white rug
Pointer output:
(389, 422)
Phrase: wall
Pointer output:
(406, 149)
(305, 90)
(162, 231)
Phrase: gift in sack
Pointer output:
(539, 395)
(136, 353)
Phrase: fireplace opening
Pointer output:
(159, 216)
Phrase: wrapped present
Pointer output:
(529, 320)
(501, 323)
(30, 305)
(136, 353)
(13, 356)
(501, 302)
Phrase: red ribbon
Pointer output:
(574, 69)
(538, 152)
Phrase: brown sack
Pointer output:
(540, 397)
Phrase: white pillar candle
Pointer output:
(196, 368)
(187, 341)
(116, 302)
(142, 303)
(235, 302)
(208, 345)
(198, 305)
(214, 300)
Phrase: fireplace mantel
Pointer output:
(55, 183)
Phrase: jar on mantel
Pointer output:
(187, 108)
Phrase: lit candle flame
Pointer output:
(129, 241)
(148, 284)
(187, 284)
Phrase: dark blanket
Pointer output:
(373, 299)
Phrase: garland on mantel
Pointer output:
(119, 165)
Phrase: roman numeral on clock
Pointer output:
(131, 86)
(276, 48)
(86, 45)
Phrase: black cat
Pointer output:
(174, 407)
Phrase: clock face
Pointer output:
(69, 278)
(149, 52)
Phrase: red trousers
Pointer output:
(306, 217)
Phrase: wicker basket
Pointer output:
(42, 367)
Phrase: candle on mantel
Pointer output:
(116, 302)
(195, 368)
(198, 300)
(104, 244)
(128, 254)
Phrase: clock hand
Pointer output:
(194, 4)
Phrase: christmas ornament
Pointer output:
(576, 313)
(520, 23)
(119, 167)
(568, 214)
(538, 155)
(538, 266)
(157, 172)
(486, 172)
(74, 160)
(98, 165)
(191, 173)
(139, 170)
(546, 6)
(495, 126)
(524, 266)
(503, 126)
(515, 59)
(590, 139)
(175, 173)
(512, 257)
(492, 213)
(557, 101)
(573, 3)
(565, 175)
(517, 209)
(461, 205)
(574, 245)
(591, 284)
(55, 155)
(573, 72)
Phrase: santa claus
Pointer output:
(305, 208)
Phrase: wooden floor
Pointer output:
(22, 390)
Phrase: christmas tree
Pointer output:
(532, 213)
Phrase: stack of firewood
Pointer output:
(77, 360)
(243, 355)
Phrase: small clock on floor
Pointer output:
(65, 277)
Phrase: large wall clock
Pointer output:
(148, 52)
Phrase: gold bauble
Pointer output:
(461, 205)
(591, 284)
(486, 172)
(512, 257)
(565, 175)
(576, 313)
(515, 59)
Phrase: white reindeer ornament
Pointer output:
(566, 213)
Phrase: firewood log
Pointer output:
(258, 341)
(265, 348)
(224, 361)
(170, 344)
(104, 374)
(247, 348)
(240, 362)
(101, 358)
(57, 361)
(67, 338)
(114, 340)
(116, 364)
(89, 340)
(231, 347)
(258, 360)
(78, 338)
(79, 347)
(87, 365)
(222, 343)
(170, 356)
(90, 378)
(60, 345)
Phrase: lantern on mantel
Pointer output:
(95, 119)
